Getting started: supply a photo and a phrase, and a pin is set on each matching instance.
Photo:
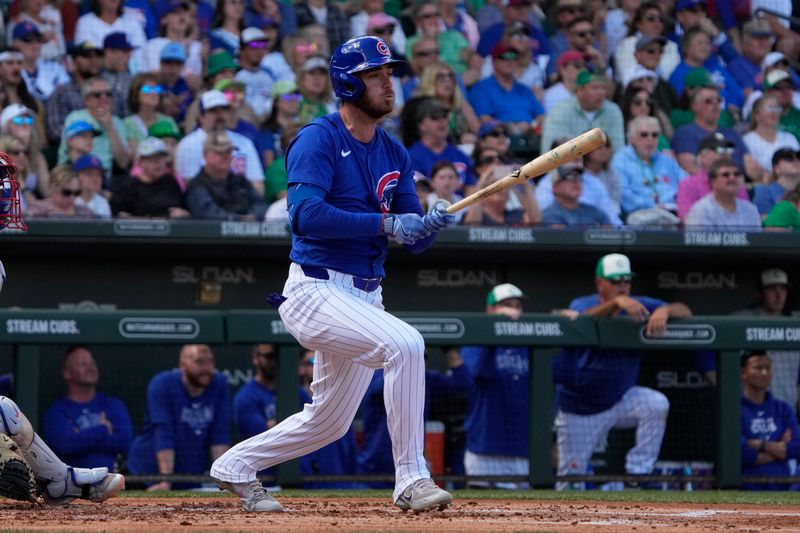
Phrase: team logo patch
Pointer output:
(385, 190)
(383, 49)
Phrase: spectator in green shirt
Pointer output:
(786, 213)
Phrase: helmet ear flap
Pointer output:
(348, 86)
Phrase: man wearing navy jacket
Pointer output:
(770, 435)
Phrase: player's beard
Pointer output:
(376, 110)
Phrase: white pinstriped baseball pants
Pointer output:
(352, 335)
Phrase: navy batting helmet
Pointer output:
(357, 55)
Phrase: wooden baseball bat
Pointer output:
(561, 154)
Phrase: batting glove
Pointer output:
(406, 228)
(438, 218)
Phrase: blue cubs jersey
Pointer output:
(595, 379)
(79, 437)
(375, 177)
(497, 419)
(190, 425)
(768, 421)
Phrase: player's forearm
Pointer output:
(166, 461)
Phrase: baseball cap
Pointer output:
(164, 8)
(716, 142)
(638, 72)
(585, 78)
(566, 170)
(504, 51)
(569, 55)
(253, 34)
(697, 77)
(314, 63)
(229, 83)
(645, 41)
(219, 61)
(504, 291)
(774, 77)
(380, 20)
(773, 276)
(212, 99)
(84, 48)
(218, 141)
(117, 41)
(173, 51)
(26, 29)
(14, 110)
(281, 87)
(614, 266)
(78, 127)
(164, 128)
(680, 5)
(517, 27)
(87, 162)
(784, 154)
(150, 146)
(488, 127)
(771, 58)
(757, 27)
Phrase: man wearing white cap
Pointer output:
(257, 79)
(497, 419)
(599, 390)
(214, 113)
(773, 285)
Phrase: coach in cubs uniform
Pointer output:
(599, 390)
(351, 189)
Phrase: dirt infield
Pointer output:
(372, 514)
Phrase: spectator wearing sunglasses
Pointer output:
(116, 59)
(785, 176)
(648, 20)
(439, 81)
(599, 386)
(568, 65)
(779, 83)
(757, 42)
(772, 61)
(565, 12)
(694, 13)
(764, 137)
(110, 145)
(90, 177)
(145, 96)
(177, 94)
(453, 46)
(257, 80)
(373, 20)
(41, 75)
(107, 16)
(64, 188)
(647, 56)
(567, 209)
(721, 208)
(80, 139)
(47, 19)
(18, 121)
(648, 178)
(693, 187)
(176, 25)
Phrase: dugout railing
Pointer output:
(27, 331)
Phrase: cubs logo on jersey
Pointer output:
(385, 190)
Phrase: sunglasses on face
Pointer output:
(488, 160)
(101, 94)
(151, 89)
(22, 121)
(730, 174)
(265, 354)
(32, 40)
(70, 192)
(428, 15)
(697, 9)
(642, 101)
(496, 133)
(653, 51)
(620, 280)
(653, 18)
(570, 10)
(437, 115)
(576, 64)
(91, 55)
(572, 175)
(651, 134)
(291, 97)
(388, 30)
(583, 34)
(508, 56)
(257, 45)
(714, 101)
(445, 76)
(427, 53)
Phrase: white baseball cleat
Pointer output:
(424, 495)
(93, 484)
(254, 498)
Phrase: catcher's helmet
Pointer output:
(10, 201)
(357, 55)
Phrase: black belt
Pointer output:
(365, 284)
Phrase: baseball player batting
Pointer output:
(351, 190)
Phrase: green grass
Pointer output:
(645, 496)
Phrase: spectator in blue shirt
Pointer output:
(86, 428)
(770, 435)
(188, 419)
(502, 98)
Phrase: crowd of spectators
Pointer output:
(141, 86)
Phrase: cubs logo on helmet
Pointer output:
(385, 190)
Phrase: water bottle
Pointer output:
(573, 471)
(687, 471)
